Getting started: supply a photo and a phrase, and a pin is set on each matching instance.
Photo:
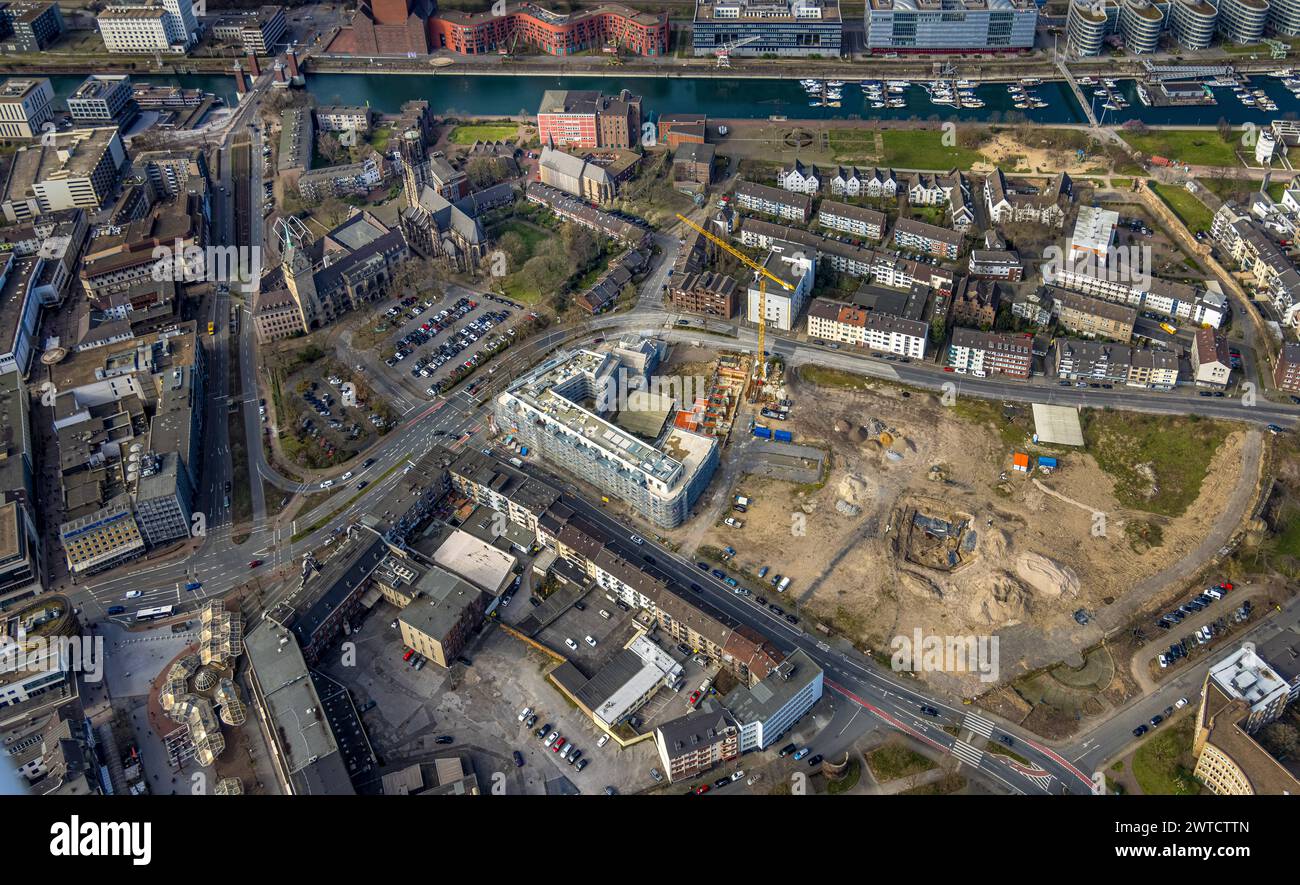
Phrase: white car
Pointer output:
(327, 483)
(571, 644)
(589, 641)
(738, 775)
(527, 711)
(637, 539)
(1164, 662)
(604, 738)
(1180, 703)
(134, 594)
(345, 477)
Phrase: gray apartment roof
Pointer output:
(346, 570)
(699, 728)
(1282, 652)
(929, 231)
(445, 598)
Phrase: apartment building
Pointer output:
(708, 293)
(1286, 373)
(342, 118)
(984, 354)
(996, 264)
(883, 268)
(787, 28)
(544, 410)
(1111, 363)
(568, 207)
(1046, 208)
(926, 189)
(946, 26)
(80, 168)
(589, 119)
(917, 236)
(773, 201)
(853, 220)
(346, 179)
(1210, 361)
(526, 24)
(974, 303)
(1259, 255)
(694, 163)
(781, 305)
(26, 105)
(1092, 317)
(871, 329)
(694, 743)
(1177, 301)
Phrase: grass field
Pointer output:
(1194, 146)
(1191, 211)
(1160, 764)
(1158, 462)
(903, 148)
(469, 133)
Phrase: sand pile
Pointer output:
(1045, 576)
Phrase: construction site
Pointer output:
(924, 518)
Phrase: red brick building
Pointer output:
(526, 24)
(588, 119)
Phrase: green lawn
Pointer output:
(1195, 146)
(904, 148)
(1160, 764)
(471, 132)
(1190, 211)
(851, 777)
(893, 761)
(1158, 461)
(924, 149)
(826, 377)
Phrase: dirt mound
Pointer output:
(997, 599)
(919, 585)
(1045, 576)
(853, 490)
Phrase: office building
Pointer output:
(950, 25)
(80, 168)
(1193, 22)
(705, 292)
(768, 709)
(26, 105)
(30, 27)
(257, 31)
(544, 410)
(575, 175)
(1087, 24)
(788, 28)
(103, 100)
(443, 616)
(163, 26)
(1141, 23)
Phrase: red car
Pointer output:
(558, 745)
(1226, 586)
(701, 789)
(409, 652)
(254, 563)
(695, 698)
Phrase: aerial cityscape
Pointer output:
(658, 397)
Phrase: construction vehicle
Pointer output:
(760, 355)
(724, 51)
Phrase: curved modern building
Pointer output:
(1088, 23)
(1192, 23)
(527, 24)
(1140, 23)
(1284, 17)
(1242, 21)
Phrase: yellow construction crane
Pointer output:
(763, 276)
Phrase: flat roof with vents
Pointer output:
(1057, 425)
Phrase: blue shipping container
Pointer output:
(763, 432)
(784, 436)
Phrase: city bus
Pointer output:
(153, 614)
(212, 327)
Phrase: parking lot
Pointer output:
(431, 344)
(324, 426)
(414, 714)
(1187, 646)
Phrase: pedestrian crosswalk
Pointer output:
(966, 753)
(1044, 781)
(978, 724)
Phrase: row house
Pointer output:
(800, 179)
(1046, 208)
(926, 189)
(874, 183)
